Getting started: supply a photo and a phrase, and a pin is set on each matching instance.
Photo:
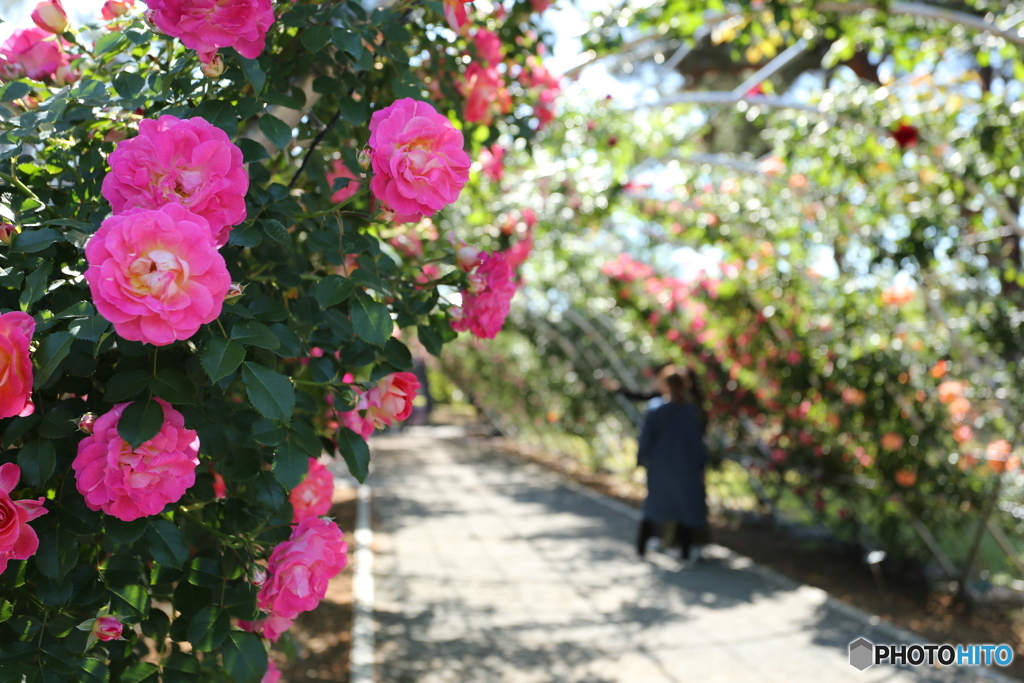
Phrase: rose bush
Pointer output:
(190, 302)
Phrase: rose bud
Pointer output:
(107, 628)
(364, 158)
(235, 292)
(214, 68)
(467, 257)
(87, 422)
(7, 232)
(49, 15)
(258, 575)
(386, 214)
(112, 9)
(65, 75)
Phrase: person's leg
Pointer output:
(685, 536)
(647, 529)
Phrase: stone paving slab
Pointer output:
(495, 572)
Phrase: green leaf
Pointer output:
(269, 392)
(125, 532)
(290, 464)
(356, 453)
(244, 657)
(315, 37)
(253, 333)
(167, 543)
(276, 130)
(239, 601)
(141, 672)
(173, 386)
(31, 241)
(48, 357)
(37, 458)
(6, 610)
(221, 357)
(209, 628)
(58, 551)
(108, 42)
(276, 232)
(347, 40)
(140, 422)
(371, 321)
(133, 598)
(220, 113)
(14, 91)
(125, 385)
(333, 289)
(35, 286)
(254, 73)
(252, 150)
(181, 668)
(267, 432)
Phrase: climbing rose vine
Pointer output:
(218, 257)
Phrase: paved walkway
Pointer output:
(492, 572)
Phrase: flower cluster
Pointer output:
(485, 93)
(176, 190)
(38, 54)
(208, 25)
(132, 483)
(486, 304)
(418, 159)
(390, 401)
(299, 569)
(189, 162)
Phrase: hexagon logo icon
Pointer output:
(862, 654)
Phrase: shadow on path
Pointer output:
(494, 571)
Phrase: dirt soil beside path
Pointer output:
(912, 606)
(323, 636)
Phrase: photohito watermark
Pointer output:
(865, 654)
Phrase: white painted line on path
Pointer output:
(362, 656)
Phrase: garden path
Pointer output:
(492, 571)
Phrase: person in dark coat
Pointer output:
(672, 450)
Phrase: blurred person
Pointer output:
(673, 453)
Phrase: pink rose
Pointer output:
(112, 9)
(273, 674)
(455, 13)
(484, 311)
(493, 162)
(18, 541)
(418, 161)
(271, 628)
(189, 162)
(485, 93)
(50, 16)
(391, 400)
(208, 25)
(107, 628)
(488, 46)
(156, 275)
(16, 331)
(340, 170)
(132, 484)
(300, 569)
(312, 497)
(34, 53)
(355, 419)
